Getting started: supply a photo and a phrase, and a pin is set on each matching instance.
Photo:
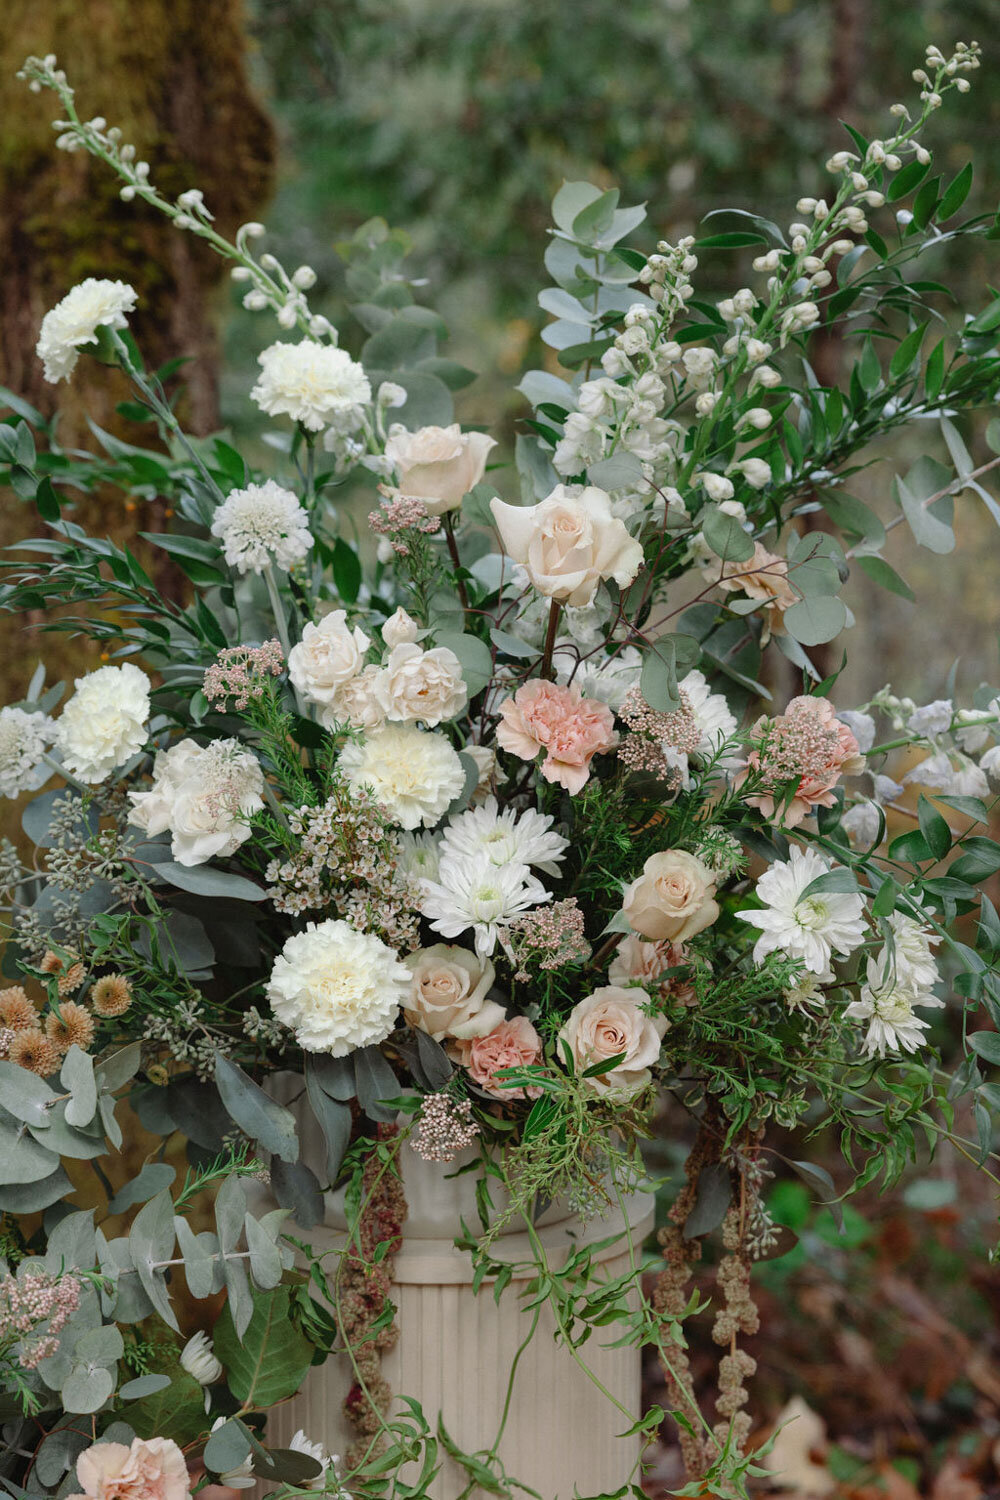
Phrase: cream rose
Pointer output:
(416, 684)
(448, 998)
(608, 1023)
(568, 543)
(356, 702)
(328, 655)
(673, 898)
(438, 465)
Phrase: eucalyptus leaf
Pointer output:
(713, 1197)
(255, 1112)
(203, 880)
(376, 1082)
(87, 1388)
(143, 1385)
(813, 621)
(265, 1259)
(153, 1178)
(198, 1251)
(77, 1076)
(297, 1189)
(334, 1120)
(151, 1242)
(24, 1095)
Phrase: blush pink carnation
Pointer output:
(512, 1044)
(807, 744)
(570, 729)
(151, 1469)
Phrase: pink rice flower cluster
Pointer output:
(242, 673)
(444, 1128)
(658, 743)
(807, 747)
(513, 1044)
(34, 1310)
(570, 729)
(150, 1469)
(399, 515)
(551, 937)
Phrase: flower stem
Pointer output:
(449, 532)
(70, 780)
(555, 610)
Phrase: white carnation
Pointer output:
(413, 774)
(75, 320)
(312, 383)
(203, 796)
(104, 723)
(262, 525)
(337, 988)
(24, 739)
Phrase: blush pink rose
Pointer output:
(570, 729)
(807, 743)
(512, 1044)
(151, 1469)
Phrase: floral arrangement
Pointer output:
(474, 816)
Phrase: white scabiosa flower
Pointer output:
(812, 928)
(506, 838)
(203, 796)
(74, 322)
(24, 739)
(198, 1358)
(338, 989)
(887, 1003)
(312, 383)
(413, 774)
(471, 891)
(104, 723)
(261, 526)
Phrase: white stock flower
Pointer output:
(74, 322)
(861, 823)
(312, 383)
(506, 838)
(471, 891)
(261, 526)
(104, 723)
(415, 684)
(932, 718)
(813, 928)
(337, 988)
(955, 775)
(887, 1003)
(203, 796)
(862, 726)
(199, 1359)
(413, 774)
(24, 739)
(568, 543)
(329, 655)
(438, 465)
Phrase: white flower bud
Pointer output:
(963, 85)
(900, 111)
(758, 416)
(757, 350)
(614, 362)
(199, 1360)
(255, 301)
(636, 315)
(756, 472)
(812, 263)
(859, 181)
(250, 231)
(766, 376)
(240, 273)
(744, 302)
(288, 315)
(633, 341)
(922, 154)
(820, 279)
(392, 395)
(803, 228)
(321, 328)
(726, 309)
(799, 243)
(904, 216)
(304, 278)
(873, 199)
(127, 194)
(893, 163)
(400, 629)
(806, 205)
(270, 262)
(841, 247)
(706, 403)
(717, 486)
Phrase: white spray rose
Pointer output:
(328, 655)
(438, 465)
(568, 543)
(421, 685)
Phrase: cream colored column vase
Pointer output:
(457, 1349)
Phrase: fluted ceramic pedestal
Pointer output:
(456, 1350)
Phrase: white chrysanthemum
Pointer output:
(260, 526)
(199, 1359)
(419, 855)
(413, 774)
(104, 723)
(312, 383)
(813, 928)
(886, 1002)
(24, 739)
(714, 720)
(912, 958)
(337, 988)
(506, 838)
(301, 1444)
(805, 992)
(471, 891)
(203, 796)
(75, 320)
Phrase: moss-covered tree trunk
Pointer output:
(172, 74)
